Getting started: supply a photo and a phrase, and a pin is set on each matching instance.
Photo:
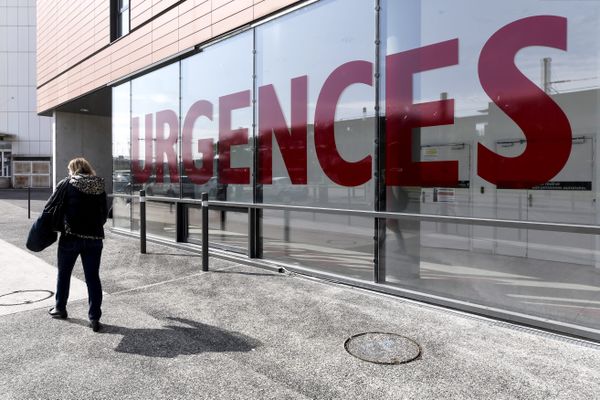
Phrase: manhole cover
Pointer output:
(20, 297)
(383, 348)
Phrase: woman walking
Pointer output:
(85, 213)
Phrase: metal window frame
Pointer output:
(117, 8)
(493, 222)
(9, 162)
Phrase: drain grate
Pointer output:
(21, 297)
(383, 348)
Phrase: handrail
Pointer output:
(494, 222)
(158, 198)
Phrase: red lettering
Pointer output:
(335, 167)
(229, 137)
(292, 143)
(199, 176)
(141, 175)
(166, 145)
(402, 116)
(543, 123)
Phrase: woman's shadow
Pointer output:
(174, 340)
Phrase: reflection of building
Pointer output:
(25, 138)
(178, 103)
(566, 198)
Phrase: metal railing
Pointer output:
(206, 204)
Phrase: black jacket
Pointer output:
(84, 205)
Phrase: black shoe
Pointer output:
(95, 325)
(56, 313)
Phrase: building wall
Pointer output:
(29, 134)
(76, 56)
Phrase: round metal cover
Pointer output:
(383, 348)
(20, 297)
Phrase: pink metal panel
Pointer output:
(69, 32)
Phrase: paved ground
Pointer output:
(25, 277)
(236, 332)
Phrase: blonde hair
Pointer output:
(80, 165)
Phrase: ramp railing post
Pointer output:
(143, 221)
(29, 202)
(204, 198)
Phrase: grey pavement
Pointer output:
(238, 332)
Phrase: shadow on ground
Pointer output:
(175, 340)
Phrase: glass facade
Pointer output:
(155, 145)
(486, 110)
(216, 96)
(315, 116)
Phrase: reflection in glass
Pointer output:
(307, 84)
(227, 229)
(121, 213)
(316, 129)
(155, 132)
(502, 97)
(161, 219)
(217, 126)
(315, 241)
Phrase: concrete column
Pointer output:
(82, 135)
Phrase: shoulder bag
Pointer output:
(43, 231)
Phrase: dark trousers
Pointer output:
(69, 248)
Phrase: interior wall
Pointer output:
(81, 135)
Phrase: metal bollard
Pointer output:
(143, 221)
(28, 202)
(204, 198)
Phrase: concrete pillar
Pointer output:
(82, 135)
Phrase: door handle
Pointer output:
(530, 199)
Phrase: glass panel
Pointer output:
(491, 110)
(217, 133)
(315, 241)
(227, 229)
(6, 163)
(135, 214)
(557, 290)
(21, 181)
(22, 167)
(121, 212)
(315, 114)
(40, 167)
(155, 131)
(40, 181)
(194, 224)
(125, 22)
(160, 218)
(217, 130)
(316, 103)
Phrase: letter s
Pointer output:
(544, 124)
